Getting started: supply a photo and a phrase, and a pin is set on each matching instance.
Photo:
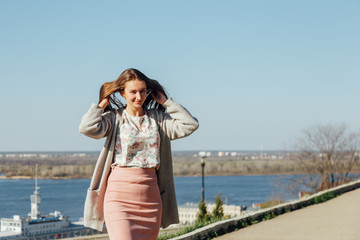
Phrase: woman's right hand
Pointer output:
(103, 104)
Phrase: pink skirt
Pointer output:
(132, 204)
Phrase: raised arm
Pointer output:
(95, 123)
(177, 122)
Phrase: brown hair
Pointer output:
(109, 89)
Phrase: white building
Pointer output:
(188, 212)
(233, 154)
(37, 226)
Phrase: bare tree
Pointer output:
(327, 154)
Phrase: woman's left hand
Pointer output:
(160, 98)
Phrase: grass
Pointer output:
(324, 197)
(188, 229)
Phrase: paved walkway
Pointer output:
(336, 219)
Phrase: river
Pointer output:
(68, 195)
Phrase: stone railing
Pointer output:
(264, 214)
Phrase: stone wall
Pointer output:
(264, 214)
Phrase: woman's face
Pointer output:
(134, 94)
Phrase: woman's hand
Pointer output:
(160, 98)
(103, 104)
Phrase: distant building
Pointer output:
(29, 155)
(78, 155)
(36, 226)
(188, 212)
(204, 154)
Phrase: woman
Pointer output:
(132, 188)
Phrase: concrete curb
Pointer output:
(101, 236)
(230, 224)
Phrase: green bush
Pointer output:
(218, 211)
(324, 197)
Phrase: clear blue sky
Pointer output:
(253, 72)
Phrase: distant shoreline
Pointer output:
(57, 178)
(15, 177)
(81, 165)
(28, 177)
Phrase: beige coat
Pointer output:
(176, 123)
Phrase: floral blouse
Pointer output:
(137, 142)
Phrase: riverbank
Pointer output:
(180, 169)
(31, 177)
(213, 167)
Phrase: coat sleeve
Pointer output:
(97, 124)
(177, 122)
